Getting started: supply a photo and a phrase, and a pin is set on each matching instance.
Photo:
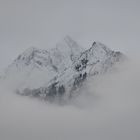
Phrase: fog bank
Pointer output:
(107, 109)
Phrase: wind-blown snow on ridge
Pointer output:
(60, 71)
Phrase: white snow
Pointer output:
(37, 68)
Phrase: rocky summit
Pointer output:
(59, 72)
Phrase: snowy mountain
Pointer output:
(60, 71)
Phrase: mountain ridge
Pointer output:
(61, 70)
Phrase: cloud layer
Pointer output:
(108, 108)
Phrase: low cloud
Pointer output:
(107, 109)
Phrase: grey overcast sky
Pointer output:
(42, 23)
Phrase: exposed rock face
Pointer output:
(60, 71)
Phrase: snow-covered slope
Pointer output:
(61, 70)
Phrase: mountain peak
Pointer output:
(31, 53)
(30, 50)
(96, 45)
(61, 70)
(72, 44)
(69, 40)
(67, 37)
(27, 53)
